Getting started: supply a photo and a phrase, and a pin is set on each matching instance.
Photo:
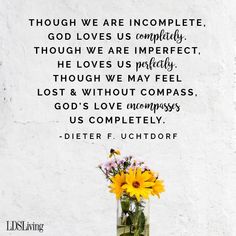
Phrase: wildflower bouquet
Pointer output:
(133, 183)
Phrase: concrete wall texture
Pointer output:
(56, 182)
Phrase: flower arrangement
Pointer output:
(133, 183)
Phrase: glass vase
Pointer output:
(132, 217)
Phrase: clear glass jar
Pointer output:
(132, 217)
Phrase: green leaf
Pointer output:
(129, 220)
(125, 204)
(141, 222)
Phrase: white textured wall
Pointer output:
(45, 179)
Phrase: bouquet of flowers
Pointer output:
(133, 183)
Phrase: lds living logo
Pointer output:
(24, 226)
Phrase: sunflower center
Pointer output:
(136, 184)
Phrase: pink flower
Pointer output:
(137, 163)
(145, 168)
(120, 162)
(110, 164)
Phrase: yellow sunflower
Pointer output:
(138, 184)
(158, 188)
(117, 182)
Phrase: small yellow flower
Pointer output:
(114, 152)
(153, 176)
(158, 188)
(117, 182)
(117, 152)
(138, 184)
